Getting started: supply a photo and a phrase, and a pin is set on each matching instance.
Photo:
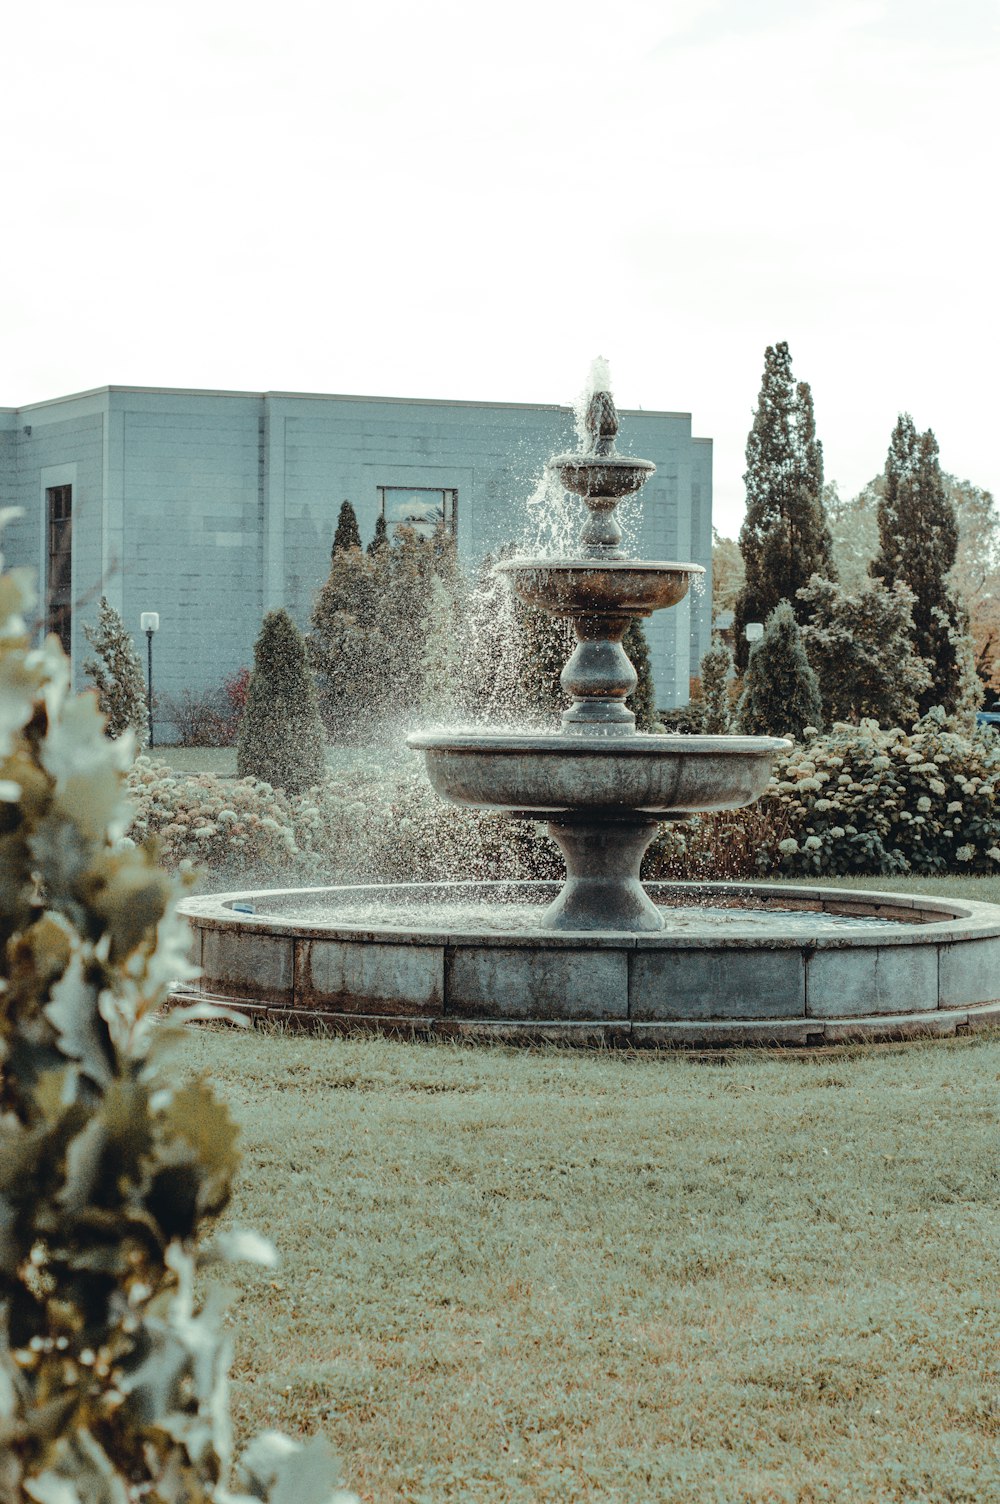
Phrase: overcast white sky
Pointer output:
(471, 200)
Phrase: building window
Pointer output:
(420, 508)
(59, 567)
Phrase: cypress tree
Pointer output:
(116, 674)
(642, 700)
(716, 671)
(784, 538)
(343, 645)
(380, 538)
(547, 643)
(918, 542)
(347, 534)
(780, 691)
(442, 658)
(281, 736)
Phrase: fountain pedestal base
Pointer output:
(603, 855)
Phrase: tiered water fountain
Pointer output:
(602, 957)
(600, 786)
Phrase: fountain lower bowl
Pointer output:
(735, 964)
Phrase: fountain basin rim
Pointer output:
(602, 744)
(601, 462)
(967, 920)
(594, 564)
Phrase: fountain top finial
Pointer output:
(601, 423)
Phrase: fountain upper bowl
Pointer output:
(544, 776)
(612, 475)
(631, 586)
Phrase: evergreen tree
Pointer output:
(493, 678)
(281, 735)
(642, 700)
(344, 647)
(716, 672)
(861, 646)
(380, 538)
(546, 643)
(404, 573)
(784, 538)
(347, 534)
(116, 674)
(918, 543)
(780, 690)
(442, 658)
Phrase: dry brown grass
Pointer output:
(543, 1275)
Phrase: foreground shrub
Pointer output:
(871, 801)
(112, 1378)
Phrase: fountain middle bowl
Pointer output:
(545, 775)
(570, 586)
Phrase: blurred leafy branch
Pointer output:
(113, 1379)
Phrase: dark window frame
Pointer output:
(449, 505)
(59, 564)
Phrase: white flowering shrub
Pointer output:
(200, 820)
(866, 800)
(377, 827)
(113, 1377)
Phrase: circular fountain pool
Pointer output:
(734, 964)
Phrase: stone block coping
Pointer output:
(931, 968)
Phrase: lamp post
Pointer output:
(149, 622)
(753, 631)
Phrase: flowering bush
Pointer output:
(223, 825)
(866, 800)
(377, 827)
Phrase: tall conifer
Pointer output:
(347, 534)
(380, 538)
(918, 541)
(281, 735)
(642, 700)
(784, 538)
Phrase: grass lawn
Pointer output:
(223, 759)
(512, 1277)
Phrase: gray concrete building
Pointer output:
(211, 508)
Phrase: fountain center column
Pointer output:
(599, 677)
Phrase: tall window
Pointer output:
(59, 571)
(421, 508)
